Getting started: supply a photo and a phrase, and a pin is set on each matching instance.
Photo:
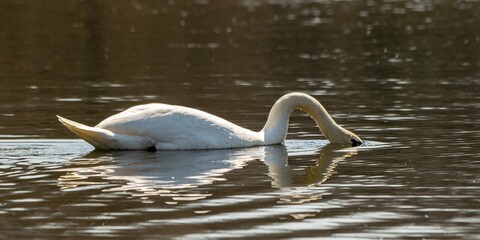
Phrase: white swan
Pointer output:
(163, 127)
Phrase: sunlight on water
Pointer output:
(403, 75)
(73, 168)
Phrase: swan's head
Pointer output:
(356, 141)
(345, 137)
(353, 138)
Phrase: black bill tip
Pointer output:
(356, 143)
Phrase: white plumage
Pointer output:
(166, 126)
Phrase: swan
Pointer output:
(170, 127)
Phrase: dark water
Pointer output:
(404, 75)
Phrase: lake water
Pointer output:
(403, 75)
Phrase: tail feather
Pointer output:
(98, 137)
(105, 139)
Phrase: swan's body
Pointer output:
(166, 126)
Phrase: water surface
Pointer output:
(404, 75)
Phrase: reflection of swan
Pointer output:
(167, 172)
(174, 127)
(323, 168)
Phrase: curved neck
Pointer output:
(275, 130)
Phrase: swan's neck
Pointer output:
(275, 130)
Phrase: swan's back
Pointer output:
(177, 127)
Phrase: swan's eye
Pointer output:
(356, 143)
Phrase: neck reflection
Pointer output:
(288, 173)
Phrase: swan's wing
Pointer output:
(176, 127)
(166, 122)
(135, 119)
